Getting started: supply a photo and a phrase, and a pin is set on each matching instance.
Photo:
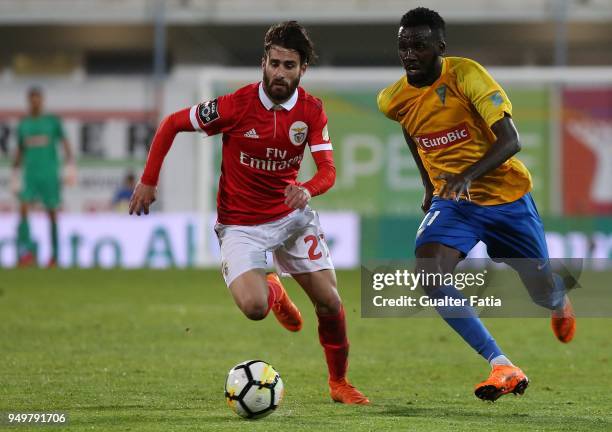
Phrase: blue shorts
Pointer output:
(512, 230)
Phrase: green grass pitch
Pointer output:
(149, 350)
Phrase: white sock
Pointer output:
(500, 360)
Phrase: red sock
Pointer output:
(332, 335)
(274, 292)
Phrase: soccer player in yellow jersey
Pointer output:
(457, 122)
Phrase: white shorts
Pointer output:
(297, 243)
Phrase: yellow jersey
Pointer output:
(450, 122)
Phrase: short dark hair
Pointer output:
(291, 35)
(427, 17)
(35, 90)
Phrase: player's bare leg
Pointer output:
(250, 293)
(256, 293)
(320, 286)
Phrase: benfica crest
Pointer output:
(298, 133)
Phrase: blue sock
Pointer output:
(559, 290)
(547, 289)
(463, 320)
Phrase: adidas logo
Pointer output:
(251, 134)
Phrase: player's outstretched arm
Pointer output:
(429, 189)
(144, 193)
(506, 146)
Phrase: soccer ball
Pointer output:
(253, 389)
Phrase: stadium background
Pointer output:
(111, 69)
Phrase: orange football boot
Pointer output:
(503, 379)
(285, 311)
(342, 391)
(563, 322)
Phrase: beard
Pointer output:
(425, 74)
(279, 90)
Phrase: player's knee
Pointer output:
(254, 310)
(329, 305)
(433, 262)
(427, 261)
(427, 265)
(428, 268)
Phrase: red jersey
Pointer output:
(263, 147)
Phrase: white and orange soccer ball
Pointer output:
(253, 389)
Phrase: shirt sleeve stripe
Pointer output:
(194, 121)
(320, 147)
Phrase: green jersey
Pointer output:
(38, 139)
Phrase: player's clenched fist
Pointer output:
(142, 198)
(296, 196)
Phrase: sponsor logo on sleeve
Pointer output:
(208, 112)
(446, 138)
(325, 134)
(497, 99)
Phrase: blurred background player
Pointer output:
(457, 122)
(261, 207)
(121, 198)
(39, 135)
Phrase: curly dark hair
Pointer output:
(427, 17)
(291, 35)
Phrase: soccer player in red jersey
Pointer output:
(260, 205)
